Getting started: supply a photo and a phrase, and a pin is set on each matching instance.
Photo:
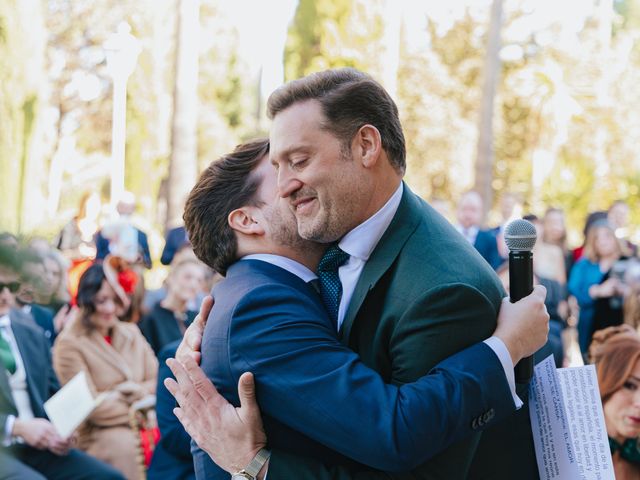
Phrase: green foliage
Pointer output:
(335, 33)
(18, 99)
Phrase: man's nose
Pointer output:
(287, 183)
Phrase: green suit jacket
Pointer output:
(424, 294)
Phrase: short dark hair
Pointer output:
(349, 99)
(226, 184)
(88, 287)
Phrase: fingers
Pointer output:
(247, 391)
(540, 292)
(182, 377)
(202, 384)
(205, 308)
(249, 409)
(173, 387)
(190, 344)
(58, 445)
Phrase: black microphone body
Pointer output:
(521, 285)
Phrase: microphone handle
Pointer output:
(521, 285)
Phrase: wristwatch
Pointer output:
(250, 472)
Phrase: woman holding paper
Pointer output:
(118, 362)
(616, 353)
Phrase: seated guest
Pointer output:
(170, 317)
(117, 361)
(30, 447)
(172, 457)
(616, 353)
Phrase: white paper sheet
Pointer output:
(71, 405)
(568, 424)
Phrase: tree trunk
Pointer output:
(484, 159)
(183, 162)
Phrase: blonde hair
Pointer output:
(615, 351)
(590, 242)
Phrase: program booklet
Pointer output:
(568, 426)
(71, 405)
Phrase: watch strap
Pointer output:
(256, 464)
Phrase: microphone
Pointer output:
(520, 237)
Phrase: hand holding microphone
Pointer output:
(520, 237)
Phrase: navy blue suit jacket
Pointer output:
(486, 244)
(172, 456)
(317, 398)
(43, 316)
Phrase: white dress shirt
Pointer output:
(470, 233)
(285, 263)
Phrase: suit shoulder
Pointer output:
(25, 322)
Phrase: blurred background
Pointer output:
(537, 98)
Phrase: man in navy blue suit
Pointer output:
(314, 392)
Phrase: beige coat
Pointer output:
(106, 433)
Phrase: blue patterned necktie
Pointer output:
(330, 286)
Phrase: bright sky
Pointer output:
(263, 25)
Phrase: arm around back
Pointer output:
(312, 383)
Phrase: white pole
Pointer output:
(118, 138)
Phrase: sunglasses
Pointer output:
(12, 286)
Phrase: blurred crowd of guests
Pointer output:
(592, 287)
(595, 288)
(79, 303)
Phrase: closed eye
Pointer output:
(299, 163)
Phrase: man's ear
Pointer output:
(244, 220)
(367, 145)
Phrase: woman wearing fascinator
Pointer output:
(118, 363)
(616, 354)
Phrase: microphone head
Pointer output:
(520, 235)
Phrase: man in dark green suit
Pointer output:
(411, 290)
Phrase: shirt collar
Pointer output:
(5, 321)
(363, 239)
(285, 263)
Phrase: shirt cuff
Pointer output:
(8, 428)
(501, 351)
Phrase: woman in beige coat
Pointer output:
(117, 361)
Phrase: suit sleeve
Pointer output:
(173, 434)
(144, 247)
(312, 383)
(68, 361)
(170, 247)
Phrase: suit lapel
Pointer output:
(404, 223)
(31, 359)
